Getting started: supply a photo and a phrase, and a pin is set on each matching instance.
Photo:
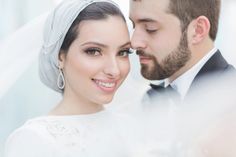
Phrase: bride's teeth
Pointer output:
(107, 85)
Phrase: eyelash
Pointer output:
(93, 51)
(151, 31)
(97, 52)
(127, 51)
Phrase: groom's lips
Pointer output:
(144, 59)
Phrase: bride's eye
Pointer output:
(93, 51)
(151, 31)
(125, 52)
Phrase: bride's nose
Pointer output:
(111, 68)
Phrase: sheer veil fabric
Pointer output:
(22, 49)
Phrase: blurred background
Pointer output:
(22, 96)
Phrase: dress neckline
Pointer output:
(90, 115)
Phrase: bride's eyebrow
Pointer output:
(126, 44)
(94, 43)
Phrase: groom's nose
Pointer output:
(138, 41)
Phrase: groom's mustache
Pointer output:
(142, 53)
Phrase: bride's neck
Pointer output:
(75, 106)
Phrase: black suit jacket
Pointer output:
(215, 72)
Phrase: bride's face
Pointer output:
(97, 61)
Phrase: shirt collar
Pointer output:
(183, 82)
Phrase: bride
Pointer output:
(86, 59)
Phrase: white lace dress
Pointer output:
(93, 135)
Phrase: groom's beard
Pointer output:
(170, 64)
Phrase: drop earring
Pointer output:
(60, 80)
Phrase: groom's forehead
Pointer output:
(148, 9)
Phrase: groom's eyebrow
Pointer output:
(143, 20)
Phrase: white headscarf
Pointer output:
(56, 27)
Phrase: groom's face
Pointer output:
(160, 43)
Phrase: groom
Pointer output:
(175, 43)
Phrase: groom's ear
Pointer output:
(199, 30)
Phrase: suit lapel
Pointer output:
(212, 68)
(216, 63)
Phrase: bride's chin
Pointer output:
(106, 100)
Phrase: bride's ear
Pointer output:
(61, 59)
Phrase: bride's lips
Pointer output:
(105, 85)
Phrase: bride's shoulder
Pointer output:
(50, 127)
(28, 140)
(42, 134)
(33, 128)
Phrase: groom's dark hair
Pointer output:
(188, 10)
